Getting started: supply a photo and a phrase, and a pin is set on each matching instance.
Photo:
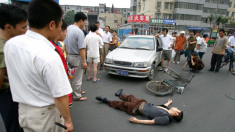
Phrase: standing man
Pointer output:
(13, 22)
(107, 39)
(192, 41)
(198, 36)
(179, 46)
(230, 51)
(36, 74)
(218, 51)
(202, 46)
(167, 41)
(100, 32)
(75, 47)
(93, 41)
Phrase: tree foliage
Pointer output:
(69, 17)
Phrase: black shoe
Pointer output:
(119, 92)
(210, 70)
(100, 98)
(216, 71)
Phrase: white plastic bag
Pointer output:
(173, 53)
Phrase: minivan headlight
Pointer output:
(109, 61)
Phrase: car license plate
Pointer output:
(124, 73)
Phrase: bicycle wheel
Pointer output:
(159, 88)
(171, 72)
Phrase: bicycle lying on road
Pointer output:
(231, 64)
(164, 87)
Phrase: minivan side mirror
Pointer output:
(159, 49)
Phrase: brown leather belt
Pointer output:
(141, 107)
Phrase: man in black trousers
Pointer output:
(218, 51)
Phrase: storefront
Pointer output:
(144, 25)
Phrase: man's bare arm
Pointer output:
(158, 34)
(98, 34)
(198, 46)
(62, 104)
(147, 122)
(229, 44)
(83, 56)
(2, 72)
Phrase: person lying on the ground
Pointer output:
(195, 63)
(159, 114)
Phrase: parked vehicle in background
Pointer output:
(137, 56)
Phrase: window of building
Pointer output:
(158, 15)
(192, 6)
(124, 15)
(67, 7)
(115, 21)
(233, 5)
(166, 5)
(233, 14)
(204, 19)
(230, 4)
(167, 16)
(227, 14)
(187, 17)
(208, 1)
(124, 11)
(78, 8)
(128, 14)
(139, 8)
(159, 4)
(143, 6)
(171, 6)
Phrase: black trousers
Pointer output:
(9, 111)
(216, 60)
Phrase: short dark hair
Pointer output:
(64, 25)
(80, 16)
(97, 22)
(205, 35)
(165, 29)
(93, 27)
(222, 30)
(194, 54)
(174, 33)
(197, 32)
(42, 12)
(108, 26)
(12, 15)
(179, 117)
(192, 32)
(115, 31)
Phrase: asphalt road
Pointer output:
(205, 106)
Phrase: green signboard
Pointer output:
(156, 21)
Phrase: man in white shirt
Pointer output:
(167, 41)
(230, 51)
(36, 74)
(202, 46)
(93, 41)
(100, 32)
(107, 39)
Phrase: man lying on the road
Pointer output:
(160, 114)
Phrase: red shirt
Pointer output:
(61, 57)
(180, 41)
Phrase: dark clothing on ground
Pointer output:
(159, 115)
(216, 60)
(199, 65)
(130, 105)
(9, 111)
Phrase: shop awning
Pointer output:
(197, 28)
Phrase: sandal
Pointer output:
(83, 92)
(89, 79)
(81, 99)
(97, 80)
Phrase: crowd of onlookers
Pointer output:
(36, 65)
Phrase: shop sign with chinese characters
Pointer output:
(169, 21)
(138, 18)
(156, 21)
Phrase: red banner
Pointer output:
(138, 18)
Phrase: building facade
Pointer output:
(96, 10)
(187, 13)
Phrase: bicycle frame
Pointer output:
(167, 81)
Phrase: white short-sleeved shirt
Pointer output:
(231, 40)
(101, 31)
(167, 41)
(35, 70)
(107, 37)
(203, 45)
(93, 41)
